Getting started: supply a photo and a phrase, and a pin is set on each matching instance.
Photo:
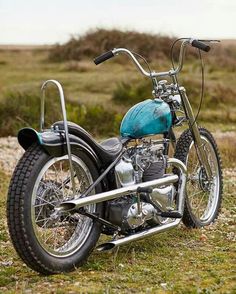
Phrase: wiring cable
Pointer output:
(148, 66)
(202, 78)
(202, 87)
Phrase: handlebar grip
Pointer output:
(103, 57)
(200, 45)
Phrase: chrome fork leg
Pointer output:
(197, 137)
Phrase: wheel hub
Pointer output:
(203, 180)
(49, 195)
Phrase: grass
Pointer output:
(112, 87)
(177, 261)
(227, 144)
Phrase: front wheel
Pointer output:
(203, 195)
(49, 242)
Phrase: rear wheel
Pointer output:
(49, 242)
(203, 195)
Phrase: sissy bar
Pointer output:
(66, 132)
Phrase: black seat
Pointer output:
(107, 150)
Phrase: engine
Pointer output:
(141, 163)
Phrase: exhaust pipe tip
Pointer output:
(64, 207)
(105, 246)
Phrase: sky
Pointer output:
(55, 21)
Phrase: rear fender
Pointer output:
(54, 143)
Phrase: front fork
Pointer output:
(195, 133)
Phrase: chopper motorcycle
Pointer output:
(68, 189)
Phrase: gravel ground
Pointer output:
(11, 152)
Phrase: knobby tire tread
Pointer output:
(181, 152)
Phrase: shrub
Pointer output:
(95, 119)
(216, 106)
(98, 41)
(151, 46)
(18, 110)
(127, 94)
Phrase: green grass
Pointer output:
(177, 261)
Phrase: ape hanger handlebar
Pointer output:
(189, 41)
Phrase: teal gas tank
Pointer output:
(149, 117)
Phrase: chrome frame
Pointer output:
(63, 109)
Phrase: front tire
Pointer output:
(203, 196)
(48, 243)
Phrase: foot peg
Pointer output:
(171, 214)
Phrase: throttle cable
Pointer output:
(202, 78)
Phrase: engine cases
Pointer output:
(124, 213)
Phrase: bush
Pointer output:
(216, 106)
(127, 94)
(18, 110)
(151, 46)
(216, 95)
(95, 119)
(98, 41)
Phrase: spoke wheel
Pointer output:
(203, 195)
(60, 235)
(49, 241)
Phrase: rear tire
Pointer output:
(203, 197)
(46, 244)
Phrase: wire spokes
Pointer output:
(60, 234)
(202, 192)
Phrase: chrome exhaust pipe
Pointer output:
(109, 195)
(158, 229)
(137, 236)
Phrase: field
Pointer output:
(177, 261)
(91, 91)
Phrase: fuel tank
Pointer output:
(149, 117)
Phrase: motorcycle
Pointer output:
(68, 189)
